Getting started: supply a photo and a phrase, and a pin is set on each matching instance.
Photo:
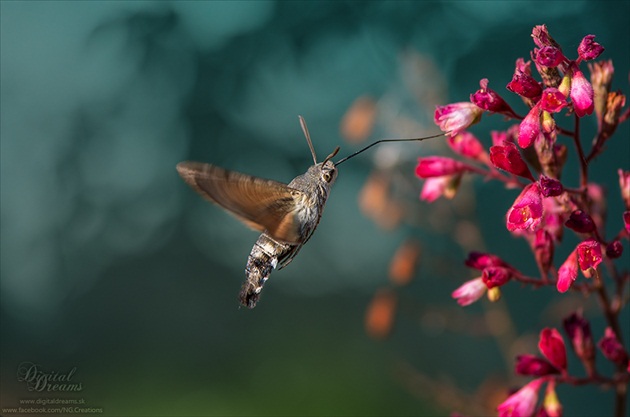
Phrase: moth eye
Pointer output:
(326, 176)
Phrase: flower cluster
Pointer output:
(552, 368)
(530, 156)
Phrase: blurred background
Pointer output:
(111, 265)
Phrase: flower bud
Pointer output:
(456, 117)
(614, 249)
(481, 261)
(438, 166)
(551, 345)
(579, 331)
(549, 56)
(612, 349)
(495, 276)
(508, 158)
(529, 129)
(469, 292)
(581, 222)
(534, 366)
(581, 94)
(550, 187)
(490, 100)
(589, 49)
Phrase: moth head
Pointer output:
(328, 170)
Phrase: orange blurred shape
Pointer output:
(358, 122)
(380, 314)
(375, 203)
(403, 264)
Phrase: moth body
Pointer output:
(269, 253)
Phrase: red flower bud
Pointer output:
(612, 348)
(579, 331)
(550, 187)
(438, 166)
(482, 261)
(508, 158)
(551, 345)
(549, 56)
(614, 249)
(490, 100)
(581, 222)
(495, 276)
(534, 366)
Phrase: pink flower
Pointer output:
(589, 255)
(589, 49)
(579, 331)
(581, 94)
(527, 210)
(549, 56)
(534, 366)
(529, 129)
(466, 144)
(567, 273)
(580, 221)
(551, 345)
(436, 187)
(490, 100)
(612, 348)
(523, 83)
(523, 402)
(626, 220)
(456, 117)
(624, 185)
(508, 158)
(495, 276)
(552, 100)
(469, 292)
(438, 166)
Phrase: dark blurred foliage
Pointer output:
(110, 264)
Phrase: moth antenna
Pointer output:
(390, 140)
(332, 155)
(308, 138)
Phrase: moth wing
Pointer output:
(264, 205)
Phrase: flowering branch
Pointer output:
(533, 160)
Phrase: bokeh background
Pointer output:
(111, 265)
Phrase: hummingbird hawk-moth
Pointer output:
(286, 214)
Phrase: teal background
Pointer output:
(112, 265)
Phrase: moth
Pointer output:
(286, 214)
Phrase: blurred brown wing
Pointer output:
(261, 204)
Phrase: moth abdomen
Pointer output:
(266, 255)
